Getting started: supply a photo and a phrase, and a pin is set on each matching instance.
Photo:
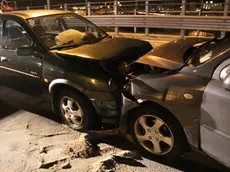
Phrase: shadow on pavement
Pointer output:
(128, 161)
(190, 162)
(6, 110)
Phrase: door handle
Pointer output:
(4, 59)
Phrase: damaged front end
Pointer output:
(167, 87)
(135, 95)
(178, 94)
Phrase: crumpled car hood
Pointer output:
(113, 49)
(170, 55)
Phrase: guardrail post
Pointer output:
(48, 4)
(147, 13)
(135, 30)
(135, 13)
(15, 6)
(65, 7)
(226, 7)
(115, 13)
(88, 9)
(182, 31)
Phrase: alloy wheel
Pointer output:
(71, 111)
(154, 134)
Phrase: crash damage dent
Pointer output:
(163, 57)
(181, 99)
(106, 104)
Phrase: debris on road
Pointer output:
(33, 143)
(109, 163)
(53, 146)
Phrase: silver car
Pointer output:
(183, 102)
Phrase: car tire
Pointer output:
(77, 111)
(158, 134)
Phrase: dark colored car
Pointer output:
(184, 101)
(59, 61)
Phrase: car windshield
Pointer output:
(64, 30)
(209, 51)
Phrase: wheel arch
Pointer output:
(66, 82)
(58, 84)
(153, 105)
(55, 92)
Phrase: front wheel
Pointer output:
(76, 111)
(158, 133)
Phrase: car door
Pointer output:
(20, 76)
(215, 115)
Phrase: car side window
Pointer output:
(14, 36)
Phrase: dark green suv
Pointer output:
(59, 61)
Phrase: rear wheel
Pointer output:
(77, 111)
(158, 134)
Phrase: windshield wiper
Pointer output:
(100, 38)
(103, 37)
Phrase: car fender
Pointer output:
(65, 82)
(130, 106)
(62, 82)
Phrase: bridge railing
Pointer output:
(139, 7)
(210, 23)
(152, 6)
(153, 14)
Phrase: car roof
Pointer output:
(26, 14)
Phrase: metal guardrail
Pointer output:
(183, 15)
(211, 23)
(183, 22)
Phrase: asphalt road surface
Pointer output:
(32, 142)
(37, 142)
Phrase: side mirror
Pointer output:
(25, 51)
(226, 84)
